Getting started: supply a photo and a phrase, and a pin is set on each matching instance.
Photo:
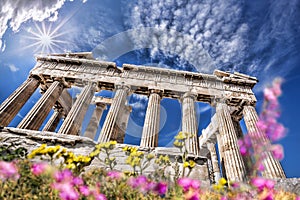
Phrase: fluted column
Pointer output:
(12, 105)
(54, 120)
(92, 127)
(221, 155)
(189, 122)
(34, 119)
(214, 161)
(152, 119)
(73, 121)
(111, 117)
(234, 165)
(273, 168)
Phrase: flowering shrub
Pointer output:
(22, 178)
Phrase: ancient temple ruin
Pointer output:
(230, 93)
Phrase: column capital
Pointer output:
(216, 101)
(100, 105)
(62, 81)
(123, 86)
(155, 91)
(189, 95)
(247, 102)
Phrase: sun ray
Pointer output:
(46, 38)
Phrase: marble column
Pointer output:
(273, 168)
(189, 122)
(234, 165)
(121, 124)
(152, 119)
(12, 105)
(111, 117)
(221, 155)
(92, 127)
(54, 120)
(36, 116)
(73, 121)
(214, 160)
(246, 158)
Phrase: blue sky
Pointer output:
(259, 38)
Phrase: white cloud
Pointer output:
(207, 34)
(3, 47)
(14, 13)
(13, 68)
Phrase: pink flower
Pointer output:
(277, 151)
(187, 183)
(114, 174)
(39, 168)
(277, 86)
(258, 182)
(84, 190)
(277, 133)
(269, 94)
(66, 191)
(261, 167)
(261, 125)
(137, 182)
(269, 184)
(77, 181)
(100, 197)
(161, 188)
(261, 183)
(8, 170)
(63, 175)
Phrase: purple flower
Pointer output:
(8, 170)
(63, 175)
(39, 168)
(187, 183)
(258, 182)
(84, 190)
(66, 191)
(114, 174)
(277, 151)
(100, 197)
(77, 181)
(161, 188)
(269, 184)
(261, 167)
(137, 182)
(277, 132)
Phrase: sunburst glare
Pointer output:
(46, 39)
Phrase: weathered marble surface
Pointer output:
(82, 145)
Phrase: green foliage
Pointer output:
(10, 152)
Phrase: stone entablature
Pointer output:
(232, 87)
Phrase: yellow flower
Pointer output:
(178, 144)
(150, 156)
(217, 187)
(180, 136)
(125, 148)
(95, 153)
(222, 181)
(192, 163)
(71, 166)
(186, 164)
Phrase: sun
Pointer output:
(46, 39)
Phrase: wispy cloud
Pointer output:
(236, 35)
(13, 68)
(14, 13)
